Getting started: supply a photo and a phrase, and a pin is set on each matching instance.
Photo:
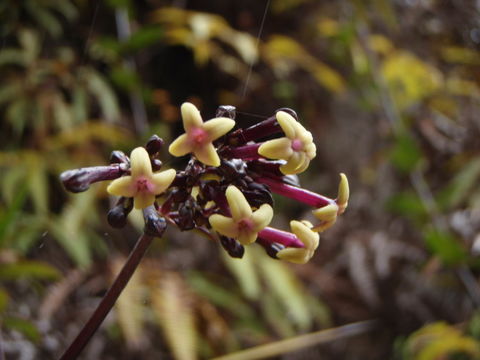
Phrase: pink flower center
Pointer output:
(297, 145)
(198, 136)
(143, 185)
(245, 225)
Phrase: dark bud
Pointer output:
(185, 216)
(258, 194)
(180, 179)
(289, 111)
(271, 248)
(228, 111)
(232, 247)
(79, 180)
(117, 216)
(154, 145)
(119, 157)
(156, 164)
(233, 169)
(155, 225)
(179, 195)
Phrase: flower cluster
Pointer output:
(225, 190)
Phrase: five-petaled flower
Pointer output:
(296, 148)
(244, 224)
(142, 184)
(199, 136)
(309, 238)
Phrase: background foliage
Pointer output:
(391, 93)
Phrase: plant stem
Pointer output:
(109, 299)
(301, 342)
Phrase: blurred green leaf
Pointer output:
(174, 310)
(23, 326)
(69, 228)
(125, 78)
(142, 38)
(12, 57)
(44, 18)
(30, 43)
(407, 204)
(4, 299)
(245, 273)
(103, 93)
(219, 295)
(8, 217)
(274, 313)
(440, 341)
(28, 269)
(283, 283)
(445, 246)
(461, 186)
(405, 154)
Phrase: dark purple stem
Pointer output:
(296, 193)
(263, 129)
(79, 180)
(109, 299)
(285, 238)
(246, 152)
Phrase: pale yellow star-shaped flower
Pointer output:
(244, 224)
(142, 184)
(310, 239)
(328, 214)
(296, 148)
(199, 136)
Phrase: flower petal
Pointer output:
(162, 180)
(247, 237)
(123, 186)
(287, 123)
(277, 148)
(191, 116)
(224, 225)
(143, 199)
(180, 146)
(239, 206)
(310, 150)
(218, 127)
(295, 255)
(343, 193)
(326, 213)
(140, 163)
(207, 155)
(262, 217)
(294, 163)
(309, 238)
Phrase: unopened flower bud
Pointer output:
(79, 180)
(119, 157)
(155, 225)
(232, 247)
(154, 145)
(156, 164)
(117, 216)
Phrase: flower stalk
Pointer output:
(109, 299)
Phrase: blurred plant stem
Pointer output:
(301, 342)
(138, 107)
(109, 299)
